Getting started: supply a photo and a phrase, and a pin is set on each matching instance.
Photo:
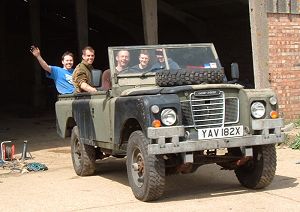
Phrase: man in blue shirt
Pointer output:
(62, 76)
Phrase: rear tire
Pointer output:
(146, 173)
(83, 155)
(260, 171)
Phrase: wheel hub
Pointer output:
(77, 151)
(138, 167)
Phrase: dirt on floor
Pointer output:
(60, 189)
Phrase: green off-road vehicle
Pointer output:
(172, 117)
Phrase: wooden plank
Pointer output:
(271, 6)
(283, 6)
(259, 39)
(295, 6)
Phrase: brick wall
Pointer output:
(284, 62)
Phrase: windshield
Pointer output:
(147, 59)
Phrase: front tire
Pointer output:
(83, 155)
(146, 173)
(260, 171)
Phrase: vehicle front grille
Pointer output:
(209, 111)
(231, 110)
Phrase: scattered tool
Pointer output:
(7, 151)
(24, 152)
(35, 166)
(9, 161)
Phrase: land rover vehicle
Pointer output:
(173, 121)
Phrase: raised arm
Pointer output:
(36, 52)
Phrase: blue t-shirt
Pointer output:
(62, 79)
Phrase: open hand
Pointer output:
(35, 51)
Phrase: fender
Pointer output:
(139, 108)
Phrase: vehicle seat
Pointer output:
(106, 80)
(96, 77)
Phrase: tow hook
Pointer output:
(184, 168)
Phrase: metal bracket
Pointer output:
(188, 157)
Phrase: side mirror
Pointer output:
(96, 77)
(235, 73)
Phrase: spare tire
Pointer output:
(166, 78)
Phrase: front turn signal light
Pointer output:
(274, 114)
(156, 123)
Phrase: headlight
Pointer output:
(273, 100)
(258, 110)
(168, 117)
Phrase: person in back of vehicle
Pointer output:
(144, 59)
(62, 76)
(161, 63)
(122, 58)
(82, 77)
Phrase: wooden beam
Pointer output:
(259, 38)
(35, 30)
(82, 24)
(2, 34)
(149, 9)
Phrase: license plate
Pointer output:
(220, 132)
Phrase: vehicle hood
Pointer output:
(153, 90)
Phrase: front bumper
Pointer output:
(166, 139)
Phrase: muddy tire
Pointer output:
(260, 171)
(146, 173)
(83, 155)
(165, 78)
